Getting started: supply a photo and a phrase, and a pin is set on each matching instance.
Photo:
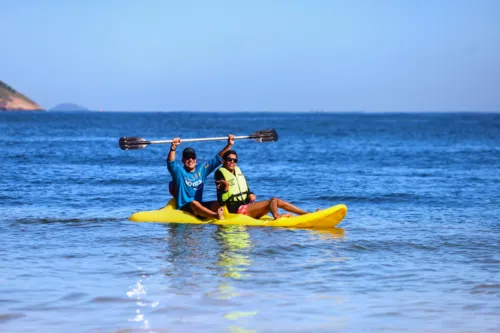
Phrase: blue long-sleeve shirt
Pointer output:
(189, 185)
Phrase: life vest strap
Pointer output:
(232, 198)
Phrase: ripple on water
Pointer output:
(486, 288)
(11, 316)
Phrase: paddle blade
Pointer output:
(265, 135)
(132, 143)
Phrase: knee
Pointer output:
(273, 201)
(195, 203)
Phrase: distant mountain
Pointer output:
(68, 107)
(11, 100)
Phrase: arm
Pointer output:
(222, 187)
(230, 143)
(217, 160)
(173, 148)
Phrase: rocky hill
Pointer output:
(11, 100)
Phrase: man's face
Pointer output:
(189, 161)
(230, 162)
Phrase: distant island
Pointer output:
(68, 107)
(12, 100)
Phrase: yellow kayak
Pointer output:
(326, 218)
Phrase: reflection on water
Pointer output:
(235, 244)
(326, 234)
(235, 329)
(220, 261)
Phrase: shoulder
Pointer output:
(218, 174)
(238, 170)
(202, 166)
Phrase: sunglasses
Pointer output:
(190, 158)
(229, 159)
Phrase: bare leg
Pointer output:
(215, 207)
(200, 210)
(273, 207)
(261, 208)
(289, 207)
(258, 209)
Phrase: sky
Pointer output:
(269, 55)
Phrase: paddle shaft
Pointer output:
(201, 139)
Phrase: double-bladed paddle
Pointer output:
(133, 143)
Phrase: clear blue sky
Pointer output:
(270, 55)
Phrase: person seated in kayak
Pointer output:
(190, 177)
(234, 193)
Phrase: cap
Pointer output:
(188, 152)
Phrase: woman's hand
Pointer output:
(230, 140)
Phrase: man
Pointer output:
(234, 193)
(189, 180)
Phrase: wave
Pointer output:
(390, 197)
(47, 220)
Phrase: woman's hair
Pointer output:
(227, 153)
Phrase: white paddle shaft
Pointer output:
(202, 139)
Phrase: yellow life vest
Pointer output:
(238, 188)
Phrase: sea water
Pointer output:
(419, 250)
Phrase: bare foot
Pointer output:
(283, 215)
(220, 213)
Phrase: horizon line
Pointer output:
(283, 111)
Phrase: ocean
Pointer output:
(419, 249)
